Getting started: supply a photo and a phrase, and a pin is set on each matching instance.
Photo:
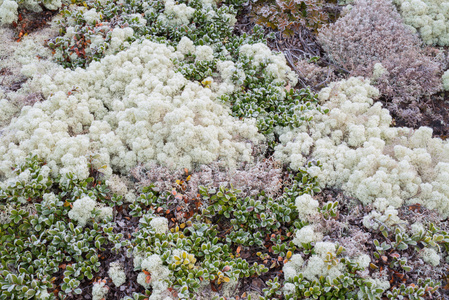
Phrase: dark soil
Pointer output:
(30, 21)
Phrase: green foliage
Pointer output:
(289, 16)
(391, 255)
(400, 240)
(251, 218)
(200, 255)
(344, 286)
(301, 182)
(35, 245)
(208, 26)
(329, 210)
(272, 104)
(149, 196)
(197, 251)
(33, 185)
(423, 289)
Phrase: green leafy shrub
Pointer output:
(38, 239)
(84, 39)
(196, 251)
(348, 285)
(192, 255)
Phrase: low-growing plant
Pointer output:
(192, 255)
(272, 104)
(195, 250)
(344, 286)
(423, 289)
(289, 16)
(83, 40)
(372, 41)
(36, 243)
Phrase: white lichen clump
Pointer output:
(159, 276)
(430, 256)
(367, 158)
(160, 225)
(316, 266)
(429, 17)
(418, 228)
(118, 38)
(389, 218)
(307, 207)
(293, 266)
(176, 14)
(28, 58)
(445, 79)
(307, 234)
(128, 108)
(277, 66)
(82, 210)
(99, 290)
(8, 11)
(378, 71)
(363, 261)
(8, 8)
(204, 53)
(117, 185)
(116, 273)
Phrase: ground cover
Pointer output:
(178, 150)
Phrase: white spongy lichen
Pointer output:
(8, 8)
(389, 218)
(82, 210)
(418, 228)
(307, 234)
(159, 224)
(116, 273)
(204, 53)
(361, 154)
(128, 108)
(293, 266)
(8, 11)
(445, 79)
(429, 17)
(363, 261)
(430, 256)
(306, 206)
(316, 265)
(186, 46)
(277, 67)
(159, 276)
(176, 14)
(117, 185)
(99, 290)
